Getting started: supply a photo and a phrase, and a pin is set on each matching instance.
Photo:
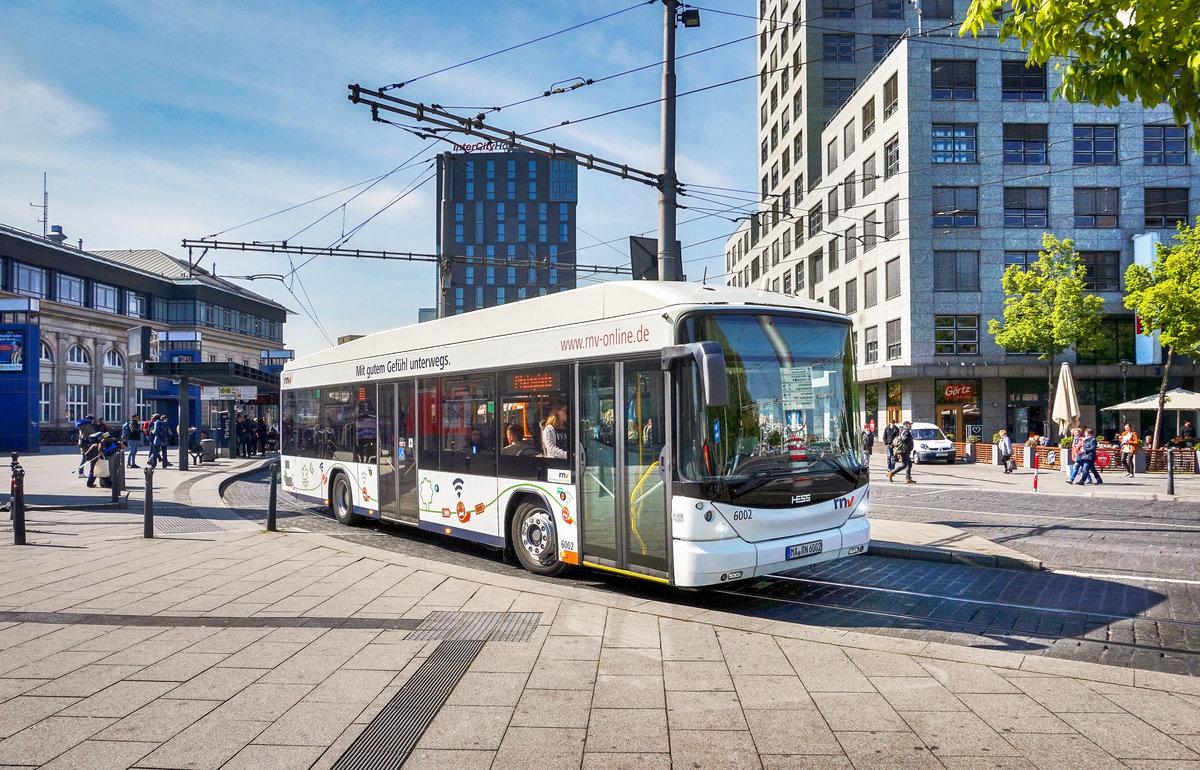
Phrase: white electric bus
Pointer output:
(680, 433)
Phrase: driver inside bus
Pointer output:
(554, 432)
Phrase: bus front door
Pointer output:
(624, 511)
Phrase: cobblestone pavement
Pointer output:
(1133, 622)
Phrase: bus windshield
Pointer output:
(791, 387)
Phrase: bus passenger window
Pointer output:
(534, 404)
(468, 425)
(364, 424)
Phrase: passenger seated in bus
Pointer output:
(515, 443)
(476, 443)
(554, 432)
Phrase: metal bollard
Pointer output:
(273, 500)
(1170, 471)
(116, 474)
(148, 506)
(18, 501)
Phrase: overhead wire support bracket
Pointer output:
(377, 100)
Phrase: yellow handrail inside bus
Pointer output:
(635, 509)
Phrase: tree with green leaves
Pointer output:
(1144, 51)
(1166, 296)
(1047, 308)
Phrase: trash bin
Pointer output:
(209, 447)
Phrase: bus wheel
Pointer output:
(341, 499)
(535, 539)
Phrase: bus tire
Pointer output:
(341, 499)
(535, 538)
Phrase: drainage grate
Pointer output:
(480, 626)
(393, 734)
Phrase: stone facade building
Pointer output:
(87, 303)
(928, 165)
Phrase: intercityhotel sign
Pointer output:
(484, 147)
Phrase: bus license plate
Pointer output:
(804, 549)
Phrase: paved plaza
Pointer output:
(218, 645)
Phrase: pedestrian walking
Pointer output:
(131, 434)
(889, 435)
(1087, 459)
(1129, 448)
(902, 449)
(868, 440)
(1005, 447)
(1075, 450)
(160, 436)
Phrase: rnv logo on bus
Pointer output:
(843, 502)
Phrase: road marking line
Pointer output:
(1073, 573)
(1188, 527)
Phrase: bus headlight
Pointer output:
(860, 511)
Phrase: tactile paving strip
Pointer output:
(393, 734)
(481, 626)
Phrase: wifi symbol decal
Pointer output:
(458, 485)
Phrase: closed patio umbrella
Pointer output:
(1066, 401)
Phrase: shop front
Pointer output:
(1028, 407)
(958, 412)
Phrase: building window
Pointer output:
(837, 91)
(104, 297)
(891, 157)
(1022, 260)
(45, 402)
(1103, 270)
(76, 354)
(78, 400)
(1166, 206)
(880, 46)
(887, 9)
(815, 223)
(835, 301)
(838, 47)
(956, 207)
(871, 288)
(113, 408)
(937, 9)
(956, 335)
(45, 354)
(1097, 206)
(114, 360)
(1026, 206)
(30, 281)
(851, 244)
(871, 345)
(1025, 143)
(868, 118)
(956, 271)
(953, 79)
(1095, 145)
(1165, 145)
(136, 304)
(848, 139)
(893, 339)
(141, 405)
(799, 276)
(833, 255)
(868, 176)
(891, 218)
(852, 295)
(849, 192)
(787, 282)
(831, 156)
(891, 278)
(1020, 82)
(870, 224)
(891, 97)
(69, 290)
(838, 9)
(954, 143)
(831, 201)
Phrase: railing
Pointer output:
(1050, 458)
(984, 452)
(960, 451)
(1184, 460)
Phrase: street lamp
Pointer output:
(1124, 387)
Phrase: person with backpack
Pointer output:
(159, 435)
(902, 448)
(83, 428)
(889, 435)
(131, 434)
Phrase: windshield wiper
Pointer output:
(753, 483)
(851, 474)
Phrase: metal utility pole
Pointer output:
(669, 268)
(45, 207)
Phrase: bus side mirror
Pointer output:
(711, 360)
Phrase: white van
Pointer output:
(930, 444)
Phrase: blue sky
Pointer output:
(162, 121)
